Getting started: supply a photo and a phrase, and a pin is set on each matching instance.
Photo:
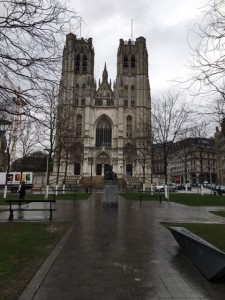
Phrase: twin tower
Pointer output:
(100, 118)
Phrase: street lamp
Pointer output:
(3, 124)
(91, 175)
(91, 159)
(121, 172)
(47, 173)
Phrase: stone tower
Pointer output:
(101, 123)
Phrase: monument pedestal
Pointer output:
(110, 197)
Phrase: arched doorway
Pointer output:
(102, 161)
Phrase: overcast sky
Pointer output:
(164, 23)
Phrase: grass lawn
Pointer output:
(186, 199)
(136, 196)
(24, 246)
(197, 199)
(212, 233)
(219, 213)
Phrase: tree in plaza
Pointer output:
(68, 134)
(142, 147)
(27, 141)
(169, 117)
(31, 34)
(48, 125)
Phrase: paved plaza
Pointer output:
(120, 254)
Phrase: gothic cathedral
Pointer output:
(102, 122)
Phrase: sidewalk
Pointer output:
(122, 254)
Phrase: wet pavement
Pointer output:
(120, 254)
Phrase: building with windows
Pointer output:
(220, 152)
(193, 160)
(98, 123)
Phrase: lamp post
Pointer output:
(121, 172)
(91, 176)
(91, 159)
(47, 173)
(3, 124)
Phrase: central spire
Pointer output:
(105, 75)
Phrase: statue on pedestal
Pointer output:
(109, 174)
(110, 198)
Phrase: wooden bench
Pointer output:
(19, 202)
(64, 192)
(158, 197)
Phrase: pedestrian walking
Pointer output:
(22, 191)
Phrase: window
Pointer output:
(77, 90)
(133, 64)
(83, 90)
(132, 95)
(82, 101)
(76, 102)
(125, 61)
(98, 102)
(104, 133)
(84, 63)
(79, 126)
(77, 63)
(125, 96)
(110, 102)
(129, 126)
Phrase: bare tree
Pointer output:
(208, 54)
(31, 34)
(169, 117)
(142, 143)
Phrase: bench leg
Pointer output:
(50, 209)
(10, 214)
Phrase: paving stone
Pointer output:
(123, 253)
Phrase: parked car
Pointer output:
(180, 186)
(172, 187)
(161, 188)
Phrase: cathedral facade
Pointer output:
(101, 121)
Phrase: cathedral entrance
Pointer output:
(129, 170)
(102, 162)
(99, 169)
